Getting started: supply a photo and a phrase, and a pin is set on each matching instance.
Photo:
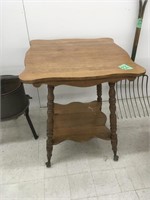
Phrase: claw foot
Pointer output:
(116, 158)
(48, 164)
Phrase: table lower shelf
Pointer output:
(79, 122)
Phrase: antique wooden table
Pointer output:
(82, 63)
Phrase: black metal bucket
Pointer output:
(14, 101)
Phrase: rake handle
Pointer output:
(142, 7)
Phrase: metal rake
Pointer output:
(133, 96)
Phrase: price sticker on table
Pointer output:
(125, 67)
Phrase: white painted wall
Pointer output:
(14, 42)
(68, 19)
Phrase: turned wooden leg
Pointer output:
(113, 119)
(99, 95)
(50, 122)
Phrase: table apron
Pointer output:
(83, 83)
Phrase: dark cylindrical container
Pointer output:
(14, 101)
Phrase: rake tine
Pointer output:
(143, 94)
(139, 96)
(127, 98)
(135, 98)
(131, 98)
(122, 98)
(118, 101)
(147, 89)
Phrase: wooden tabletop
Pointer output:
(76, 60)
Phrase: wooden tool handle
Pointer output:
(142, 7)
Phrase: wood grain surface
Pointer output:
(61, 61)
(79, 122)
